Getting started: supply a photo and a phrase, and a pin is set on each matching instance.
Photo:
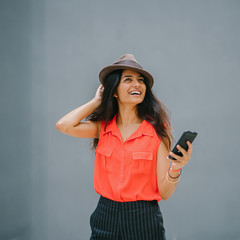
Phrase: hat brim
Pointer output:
(107, 70)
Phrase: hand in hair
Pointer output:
(99, 93)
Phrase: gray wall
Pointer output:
(15, 103)
(51, 52)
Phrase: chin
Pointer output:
(137, 102)
(132, 101)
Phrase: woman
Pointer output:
(131, 132)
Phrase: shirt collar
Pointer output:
(145, 128)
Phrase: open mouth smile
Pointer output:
(135, 93)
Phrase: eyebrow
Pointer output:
(131, 76)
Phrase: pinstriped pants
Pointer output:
(139, 220)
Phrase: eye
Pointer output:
(141, 80)
(127, 80)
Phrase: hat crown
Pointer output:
(126, 61)
(128, 57)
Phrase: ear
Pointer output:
(115, 95)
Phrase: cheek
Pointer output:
(122, 91)
(122, 97)
(145, 89)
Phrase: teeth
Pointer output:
(135, 93)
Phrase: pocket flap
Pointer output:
(106, 151)
(142, 155)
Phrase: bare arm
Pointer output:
(71, 124)
(166, 189)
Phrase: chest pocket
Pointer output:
(142, 160)
(105, 153)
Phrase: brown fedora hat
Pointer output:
(127, 61)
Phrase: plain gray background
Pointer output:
(51, 52)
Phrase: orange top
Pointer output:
(126, 171)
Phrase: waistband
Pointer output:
(127, 205)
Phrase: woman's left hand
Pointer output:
(180, 162)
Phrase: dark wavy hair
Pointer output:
(150, 109)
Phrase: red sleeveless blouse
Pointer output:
(126, 171)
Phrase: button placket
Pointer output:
(122, 165)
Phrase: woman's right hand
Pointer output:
(72, 124)
(99, 93)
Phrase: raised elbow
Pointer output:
(60, 126)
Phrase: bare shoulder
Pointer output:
(162, 147)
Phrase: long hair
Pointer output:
(150, 109)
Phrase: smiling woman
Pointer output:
(123, 77)
(131, 84)
(131, 133)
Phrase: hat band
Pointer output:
(129, 63)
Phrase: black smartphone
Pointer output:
(186, 136)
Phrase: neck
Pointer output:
(127, 115)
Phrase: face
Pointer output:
(131, 89)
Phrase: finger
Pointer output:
(180, 160)
(177, 157)
(189, 147)
(176, 163)
(182, 150)
(101, 89)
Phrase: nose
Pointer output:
(136, 83)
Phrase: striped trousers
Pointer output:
(139, 220)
